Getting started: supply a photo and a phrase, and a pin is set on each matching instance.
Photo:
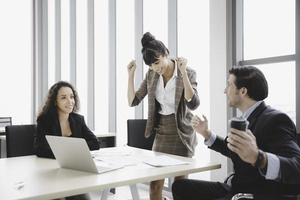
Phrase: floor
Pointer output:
(123, 193)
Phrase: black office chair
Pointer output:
(136, 134)
(294, 190)
(5, 121)
(19, 140)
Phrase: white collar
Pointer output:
(248, 112)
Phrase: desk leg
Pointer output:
(134, 192)
(3, 148)
(104, 194)
(170, 182)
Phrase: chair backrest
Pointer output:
(136, 134)
(19, 140)
(5, 121)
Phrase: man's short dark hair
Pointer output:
(253, 79)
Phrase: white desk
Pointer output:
(43, 179)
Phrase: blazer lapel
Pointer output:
(56, 129)
(153, 85)
(255, 114)
(179, 89)
(151, 95)
(72, 125)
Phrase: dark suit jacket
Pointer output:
(275, 132)
(182, 107)
(51, 126)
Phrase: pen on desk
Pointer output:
(19, 185)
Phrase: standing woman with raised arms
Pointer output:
(172, 92)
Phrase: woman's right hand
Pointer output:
(131, 67)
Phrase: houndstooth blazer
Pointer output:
(182, 106)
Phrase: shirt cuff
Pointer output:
(210, 141)
(273, 168)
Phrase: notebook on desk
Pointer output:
(74, 153)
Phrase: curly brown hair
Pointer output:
(49, 107)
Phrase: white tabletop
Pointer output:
(43, 179)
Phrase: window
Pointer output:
(281, 81)
(81, 55)
(194, 45)
(101, 65)
(156, 19)
(269, 43)
(269, 28)
(125, 53)
(16, 60)
(157, 25)
(65, 40)
(51, 43)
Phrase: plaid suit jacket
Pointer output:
(182, 106)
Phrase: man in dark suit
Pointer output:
(266, 157)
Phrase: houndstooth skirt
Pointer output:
(167, 139)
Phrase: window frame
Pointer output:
(238, 52)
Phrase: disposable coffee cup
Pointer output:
(239, 123)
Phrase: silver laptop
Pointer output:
(74, 153)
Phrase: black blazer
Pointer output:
(276, 133)
(51, 126)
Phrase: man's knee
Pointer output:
(178, 186)
(175, 185)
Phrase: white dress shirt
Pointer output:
(166, 95)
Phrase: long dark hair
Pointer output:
(49, 108)
(152, 49)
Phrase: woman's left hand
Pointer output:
(181, 64)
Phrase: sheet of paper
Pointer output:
(121, 151)
(121, 160)
(122, 156)
(161, 161)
